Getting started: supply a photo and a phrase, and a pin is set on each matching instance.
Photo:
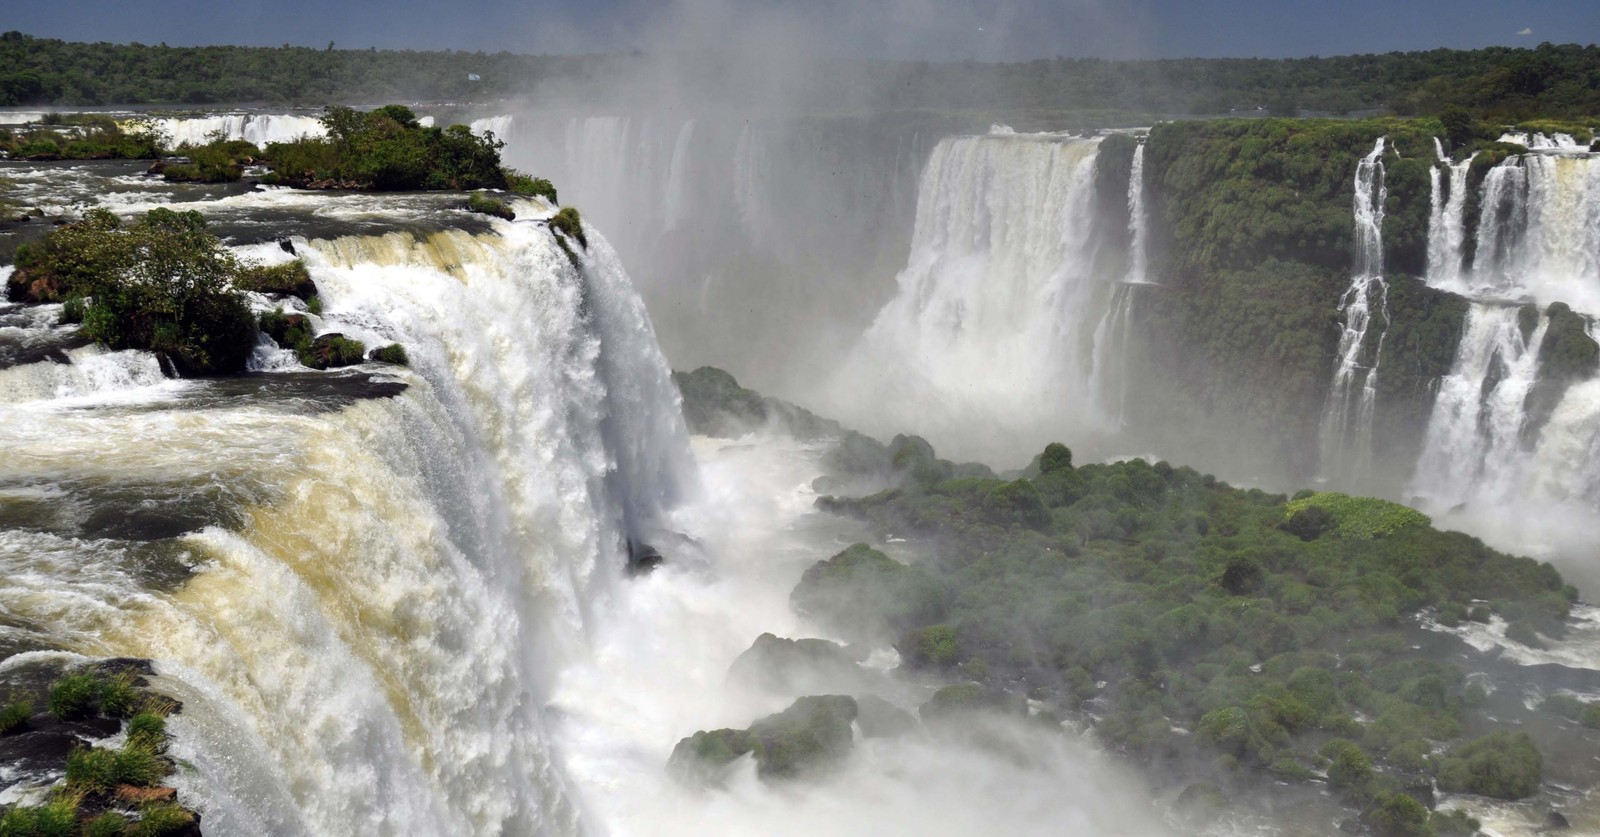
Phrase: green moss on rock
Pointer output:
(864, 594)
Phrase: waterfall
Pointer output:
(1138, 255)
(993, 321)
(1538, 232)
(1346, 432)
(1446, 227)
(500, 126)
(255, 128)
(371, 602)
(751, 175)
(1112, 337)
(1473, 447)
(1539, 141)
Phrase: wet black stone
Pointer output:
(643, 558)
(1555, 821)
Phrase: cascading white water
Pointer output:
(1109, 376)
(1138, 223)
(1346, 431)
(256, 128)
(369, 651)
(1446, 230)
(1538, 233)
(500, 126)
(1540, 141)
(1473, 447)
(992, 325)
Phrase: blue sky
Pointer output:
(930, 29)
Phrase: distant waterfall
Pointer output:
(1346, 432)
(1446, 231)
(1138, 223)
(1536, 241)
(365, 638)
(1538, 232)
(987, 346)
(1113, 336)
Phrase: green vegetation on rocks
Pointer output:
(14, 716)
(222, 161)
(812, 735)
(386, 149)
(287, 279)
(393, 353)
(495, 207)
(864, 594)
(108, 790)
(570, 228)
(162, 283)
(519, 183)
(1502, 764)
(80, 137)
(1359, 517)
(1273, 630)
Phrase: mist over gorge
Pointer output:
(775, 431)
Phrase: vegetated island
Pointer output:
(1223, 639)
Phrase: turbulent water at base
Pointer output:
(994, 319)
(365, 635)
(1346, 431)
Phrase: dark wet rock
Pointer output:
(799, 666)
(879, 718)
(1555, 821)
(34, 287)
(286, 246)
(300, 392)
(643, 558)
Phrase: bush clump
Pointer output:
(222, 161)
(393, 353)
(485, 205)
(57, 818)
(863, 593)
(570, 225)
(287, 279)
(15, 716)
(1503, 765)
(162, 283)
(387, 149)
(522, 184)
(1359, 517)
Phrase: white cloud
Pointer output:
(1526, 32)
